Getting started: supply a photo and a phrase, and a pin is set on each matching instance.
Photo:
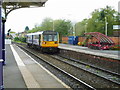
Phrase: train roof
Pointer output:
(36, 33)
(43, 32)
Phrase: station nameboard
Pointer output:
(116, 26)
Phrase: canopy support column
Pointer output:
(1, 60)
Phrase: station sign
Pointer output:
(116, 26)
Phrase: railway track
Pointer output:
(82, 72)
(96, 69)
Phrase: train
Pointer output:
(45, 41)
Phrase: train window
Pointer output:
(50, 37)
(36, 37)
(55, 38)
(29, 37)
(45, 38)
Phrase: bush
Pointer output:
(116, 47)
(16, 39)
(21, 39)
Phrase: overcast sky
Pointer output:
(74, 10)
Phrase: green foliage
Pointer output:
(81, 27)
(97, 21)
(62, 26)
(12, 32)
(16, 39)
(116, 47)
(21, 39)
(47, 24)
(94, 24)
(26, 28)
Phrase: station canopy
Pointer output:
(9, 5)
(23, 3)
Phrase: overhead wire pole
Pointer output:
(53, 26)
(1, 60)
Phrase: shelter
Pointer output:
(103, 41)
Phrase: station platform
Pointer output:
(22, 71)
(104, 53)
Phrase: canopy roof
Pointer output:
(9, 5)
(100, 37)
(23, 3)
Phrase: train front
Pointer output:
(50, 41)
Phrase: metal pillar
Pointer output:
(1, 60)
(106, 26)
(3, 40)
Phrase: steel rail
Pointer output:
(104, 70)
(89, 71)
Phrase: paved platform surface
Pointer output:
(105, 53)
(22, 71)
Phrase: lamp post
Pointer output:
(52, 21)
(53, 25)
(86, 27)
(106, 26)
(74, 30)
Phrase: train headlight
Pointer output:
(43, 42)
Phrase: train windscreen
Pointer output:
(50, 37)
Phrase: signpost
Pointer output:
(1, 60)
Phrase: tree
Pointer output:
(26, 28)
(97, 22)
(81, 27)
(62, 26)
(47, 24)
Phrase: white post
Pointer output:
(106, 26)
(53, 25)
(86, 27)
(74, 30)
